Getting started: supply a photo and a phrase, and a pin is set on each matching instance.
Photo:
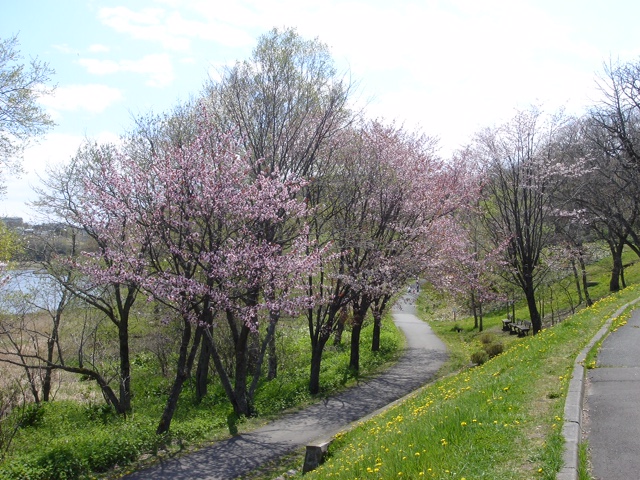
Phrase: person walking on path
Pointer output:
(422, 358)
(611, 405)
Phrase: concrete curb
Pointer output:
(572, 428)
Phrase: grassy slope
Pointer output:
(71, 439)
(501, 420)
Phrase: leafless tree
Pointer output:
(519, 157)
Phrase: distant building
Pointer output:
(12, 222)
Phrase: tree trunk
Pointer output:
(272, 370)
(125, 364)
(267, 343)
(378, 308)
(222, 374)
(616, 269)
(480, 318)
(316, 361)
(576, 277)
(354, 359)
(475, 311)
(243, 402)
(536, 322)
(202, 370)
(321, 324)
(182, 373)
(272, 363)
(318, 343)
(585, 282)
(342, 320)
(377, 326)
(52, 346)
(360, 310)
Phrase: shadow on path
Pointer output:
(243, 453)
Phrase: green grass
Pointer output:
(468, 424)
(85, 439)
(501, 420)
(583, 461)
(436, 309)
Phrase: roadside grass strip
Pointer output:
(500, 420)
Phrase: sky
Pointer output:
(448, 68)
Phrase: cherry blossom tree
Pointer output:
(398, 215)
(67, 195)
(193, 244)
(287, 101)
(386, 210)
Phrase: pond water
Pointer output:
(28, 291)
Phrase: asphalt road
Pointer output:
(245, 452)
(613, 405)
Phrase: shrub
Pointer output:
(31, 415)
(479, 357)
(486, 338)
(99, 412)
(62, 462)
(494, 349)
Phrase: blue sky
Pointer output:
(447, 67)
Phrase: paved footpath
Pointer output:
(233, 458)
(613, 405)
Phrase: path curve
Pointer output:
(423, 356)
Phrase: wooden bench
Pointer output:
(315, 454)
(520, 328)
(505, 324)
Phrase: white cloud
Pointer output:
(146, 24)
(100, 67)
(173, 31)
(53, 150)
(97, 48)
(64, 48)
(93, 98)
(158, 67)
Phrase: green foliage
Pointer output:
(68, 439)
(99, 412)
(21, 116)
(31, 415)
(494, 349)
(10, 244)
(435, 307)
(479, 357)
(583, 461)
(487, 338)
